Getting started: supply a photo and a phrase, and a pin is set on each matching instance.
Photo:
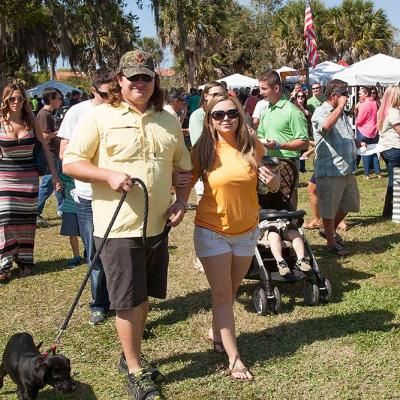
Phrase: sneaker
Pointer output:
(283, 268)
(303, 265)
(141, 387)
(147, 366)
(41, 222)
(97, 317)
(74, 262)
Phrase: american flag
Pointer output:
(310, 37)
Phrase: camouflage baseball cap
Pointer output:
(137, 62)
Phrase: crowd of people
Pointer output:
(212, 140)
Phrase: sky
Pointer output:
(147, 27)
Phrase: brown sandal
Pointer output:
(217, 345)
(241, 370)
(5, 277)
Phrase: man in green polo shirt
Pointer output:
(282, 124)
(317, 98)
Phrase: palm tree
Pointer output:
(191, 28)
(358, 31)
(288, 28)
(152, 46)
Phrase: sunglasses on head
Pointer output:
(219, 115)
(19, 99)
(103, 95)
(141, 77)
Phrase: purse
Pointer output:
(40, 157)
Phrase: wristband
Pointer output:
(277, 146)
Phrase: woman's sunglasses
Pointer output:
(18, 99)
(103, 95)
(219, 115)
(301, 97)
(140, 77)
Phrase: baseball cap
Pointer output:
(137, 62)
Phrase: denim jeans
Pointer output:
(46, 189)
(392, 159)
(372, 160)
(97, 277)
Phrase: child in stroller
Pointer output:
(281, 229)
(299, 262)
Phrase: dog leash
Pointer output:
(135, 181)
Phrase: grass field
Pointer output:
(346, 349)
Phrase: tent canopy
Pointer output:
(237, 81)
(324, 71)
(285, 69)
(379, 68)
(63, 87)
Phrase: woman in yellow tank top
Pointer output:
(227, 157)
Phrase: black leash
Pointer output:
(165, 232)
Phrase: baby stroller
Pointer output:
(316, 288)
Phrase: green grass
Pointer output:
(346, 349)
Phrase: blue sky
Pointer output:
(146, 20)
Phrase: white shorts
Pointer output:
(208, 243)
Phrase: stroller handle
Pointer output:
(265, 215)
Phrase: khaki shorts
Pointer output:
(337, 193)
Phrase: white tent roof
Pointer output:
(323, 72)
(63, 87)
(285, 69)
(379, 68)
(237, 81)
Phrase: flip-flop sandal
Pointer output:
(217, 345)
(308, 226)
(241, 370)
(338, 250)
(338, 238)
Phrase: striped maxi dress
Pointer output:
(19, 186)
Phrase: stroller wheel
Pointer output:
(260, 301)
(326, 292)
(275, 305)
(311, 293)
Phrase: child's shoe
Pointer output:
(303, 265)
(74, 262)
(283, 268)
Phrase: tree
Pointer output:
(358, 31)
(152, 46)
(191, 28)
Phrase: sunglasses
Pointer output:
(316, 88)
(103, 95)
(219, 115)
(301, 97)
(18, 99)
(215, 94)
(139, 77)
(343, 93)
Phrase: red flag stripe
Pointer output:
(310, 38)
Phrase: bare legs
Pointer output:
(130, 325)
(224, 273)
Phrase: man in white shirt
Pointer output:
(260, 107)
(82, 193)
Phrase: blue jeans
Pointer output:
(46, 189)
(372, 160)
(392, 159)
(98, 284)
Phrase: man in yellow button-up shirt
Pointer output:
(132, 137)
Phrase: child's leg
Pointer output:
(275, 243)
(297, 242)
(73, 240)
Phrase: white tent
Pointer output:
(63, 87)
(379, 68)
(237, 81)
(323, 72)
(285, 69)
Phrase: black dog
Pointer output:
(31, 371)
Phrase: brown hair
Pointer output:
(204, 150)
(271, 77)
(207, 87)
(27, 115)
(335, 86)
(156, 99)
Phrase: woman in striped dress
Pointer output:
(18, 181)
